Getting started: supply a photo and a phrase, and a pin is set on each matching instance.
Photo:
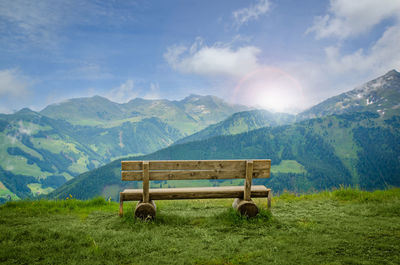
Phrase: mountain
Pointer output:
(354, 140)
(381, 95)
(38, 153)
(189, 115)
(358, 149)
(358, 146)
(41, 151)
(240, 122)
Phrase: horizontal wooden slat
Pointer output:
(196, 164)
(195, 193)
(192, 174)
(131, 165)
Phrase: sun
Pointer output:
(270, 88)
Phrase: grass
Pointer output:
(345, 226)
(37, 189)
(6, 193)
(288, 166)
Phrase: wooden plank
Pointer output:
(247, 182)
(261, 164)
(121, 204)
(146, 182)
(257, 191)
(196, 165)
(231, 165)
(192, 174)
(269, 202)
(131, 165)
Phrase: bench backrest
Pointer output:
(194, 169)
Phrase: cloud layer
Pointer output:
(244, 15)
(348, 19)
(213, 60)
(12, 83)
(123, 93)
(39, 23)
(352, 18)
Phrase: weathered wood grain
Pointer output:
(192, 174)
(257, 191)
(230, 165)
(145, 210)
(248, 180)
(146, 181)
(245, 207)
(121, 204)
(269, 200)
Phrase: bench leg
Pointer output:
(145, 210)
(121, 205)
(247, 208)
(269, 199)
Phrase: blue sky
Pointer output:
(280, 55)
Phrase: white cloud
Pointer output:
(123, 93)
(341, 71)
(25, 130)
(13, 84)
(153, 92)
(242, 16)
(28, 21)
(213, 60)
(351, 18)
(382, 56)
(41, 22)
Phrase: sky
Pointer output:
(284, 55)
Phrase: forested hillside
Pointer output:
(38, 154)
(241, 122)
(42, 150)
(357, 149)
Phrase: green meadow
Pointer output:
(344, 226)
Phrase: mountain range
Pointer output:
(349, 149)
(350, 139)
(357, 146)
(42, 150)
(189, 115)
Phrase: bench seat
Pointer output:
(161, 170)
(195, 193)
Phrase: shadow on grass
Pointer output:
(228, 217)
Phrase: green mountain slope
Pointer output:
(40, 151)
(240, 122)
(39, 154)
(188, 115)
(86, 111)
(381, 95)
(349, 149)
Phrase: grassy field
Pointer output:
(341, 227)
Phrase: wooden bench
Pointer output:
(193, 170)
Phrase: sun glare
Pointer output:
(270, 88)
